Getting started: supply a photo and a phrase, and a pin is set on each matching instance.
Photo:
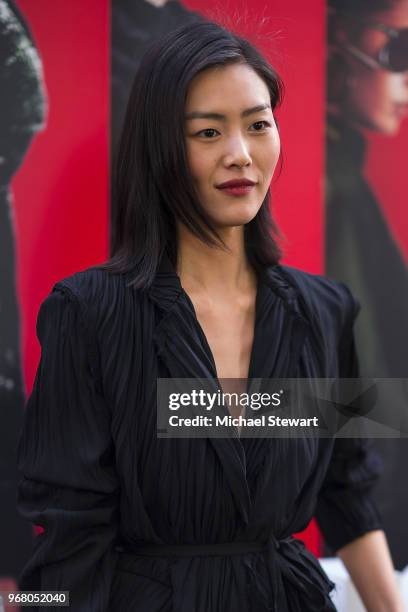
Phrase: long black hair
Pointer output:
(152, 184)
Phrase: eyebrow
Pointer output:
(219, 117)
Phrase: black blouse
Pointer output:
(100, 482)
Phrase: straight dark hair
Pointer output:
(152, 185)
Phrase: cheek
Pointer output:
(374, 97)
(200, 163)
(375, 90)
(269, 155)
(386, 89)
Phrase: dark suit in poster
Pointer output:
(22, 111)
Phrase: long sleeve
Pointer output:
(68, 484)
(346, 508)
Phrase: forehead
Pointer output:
(395, 17)
(234, 86)
(373, 38)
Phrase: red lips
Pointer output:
(236, 183)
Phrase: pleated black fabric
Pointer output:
(97, 478)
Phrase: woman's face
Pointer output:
(378, 98)
(231, 135)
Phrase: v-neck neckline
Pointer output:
(236, 430)
(260, 287)
(204, 337)
(276, 293)
(279, 333)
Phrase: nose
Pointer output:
(237, 153)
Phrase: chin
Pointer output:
(241, 215)
(389, 126)
(235, 220)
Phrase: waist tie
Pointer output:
(222, 549)
(287, 559)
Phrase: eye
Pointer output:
(260, 126)
(208, 133)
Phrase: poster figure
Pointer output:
(367, 76)
(22, 114)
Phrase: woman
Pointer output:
(194, 290)
(368, 90)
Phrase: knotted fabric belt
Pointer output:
(286, 558)
(197, 550)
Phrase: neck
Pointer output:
(212, 269)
